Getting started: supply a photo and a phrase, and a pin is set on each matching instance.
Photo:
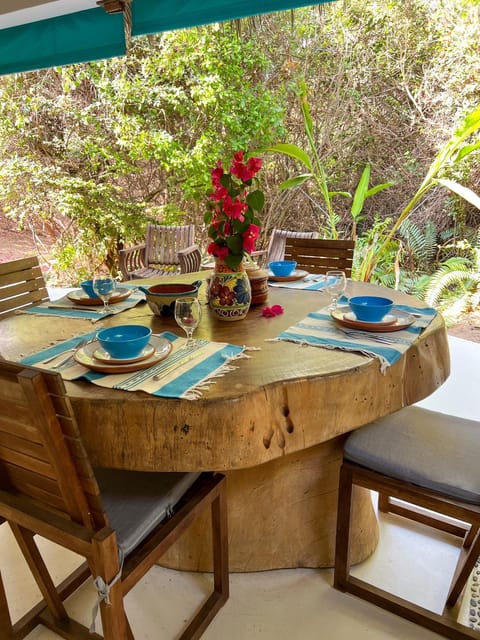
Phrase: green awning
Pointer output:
(75, 37)
(164, 15)
(93, 34)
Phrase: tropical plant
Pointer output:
(316, 172)
(453, 152)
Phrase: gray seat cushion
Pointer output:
(429, 449)
(135, 502)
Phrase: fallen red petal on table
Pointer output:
(270, 312)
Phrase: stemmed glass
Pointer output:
(104, 286)
(336, 283)
(187, 316)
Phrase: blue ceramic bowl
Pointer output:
(282, 268)
(370, 308)
(125, 341)
(87, 286)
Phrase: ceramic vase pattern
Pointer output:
(229, 295)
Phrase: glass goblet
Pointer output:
(187, 315)
(336, 283)
(104, 286)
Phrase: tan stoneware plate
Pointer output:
(298, 274)
(397, 320)
(84, 355)
(103, 356)
(80, 297)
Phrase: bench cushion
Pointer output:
(426, 448)
(135, 502)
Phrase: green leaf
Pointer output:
(360, 191)
(467, 150)
(464, 192)
(256, 200)
(377, 188)
(294, 152)
(296, 181)
(339, 193)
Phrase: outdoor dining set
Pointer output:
(164, 434)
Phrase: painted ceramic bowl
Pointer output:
(370, 308)
(161, 297)
(125, 341)
(282, 268)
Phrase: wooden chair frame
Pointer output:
(159, 254)
(47, 487)
(276, 245)
(190, 259)
(319, 256)
(21, 285)
(353, 475)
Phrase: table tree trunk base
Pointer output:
(282, 514)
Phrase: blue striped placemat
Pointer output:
(195, 369)
(320, 330)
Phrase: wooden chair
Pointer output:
(276, 245)
(190, 259)
(320, 256)
(159, 255)
(429, 461)
(121, 522)
(21, 285)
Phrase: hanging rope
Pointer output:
(120, 6)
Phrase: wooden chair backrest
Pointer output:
(21, 285)
(276, 245)
(162, 242)
(320, 256)
(43, 463)
(190, 259)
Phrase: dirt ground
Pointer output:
(19, 244)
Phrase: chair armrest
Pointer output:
(131, 259)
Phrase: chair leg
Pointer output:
(5, 620)
(466, 563)
(39, 571)
(220, 567)
(342, 545)
(106, 565)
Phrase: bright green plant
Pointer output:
(317, 173)
(453, 152)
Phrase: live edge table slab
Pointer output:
(275, 426)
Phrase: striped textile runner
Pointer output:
(185, 373)
(68, 309)
(320, 330)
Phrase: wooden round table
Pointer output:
(275, 426)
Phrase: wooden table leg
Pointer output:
(282, 514)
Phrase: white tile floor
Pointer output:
(292, 604)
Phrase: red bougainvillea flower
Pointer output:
(219, 252)
(249, 237)
(217, 173)
(254, 165)
(234, 208)
(270, 312)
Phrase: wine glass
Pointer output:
(187, 316)
(104, 286)
(336, 283)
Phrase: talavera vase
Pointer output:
(229, 294)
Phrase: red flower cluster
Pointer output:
(233, 225)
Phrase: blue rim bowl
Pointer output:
(125, 341)
(282, 268)
(87, 286)
(370, 308)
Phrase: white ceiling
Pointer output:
(15, 12)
